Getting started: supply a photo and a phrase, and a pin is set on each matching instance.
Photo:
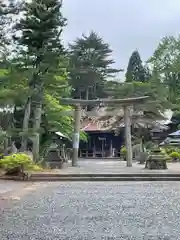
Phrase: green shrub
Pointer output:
(35, 167)
(169, 150)
(123, 151)
(15, 160)
(175, 155)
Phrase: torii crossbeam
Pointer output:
(77, 103)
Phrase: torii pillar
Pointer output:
(77, 123)
(127, 123)
(77, 103)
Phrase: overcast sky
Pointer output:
(125, 24)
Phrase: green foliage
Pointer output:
(175, 155)
(146, 113)
(123, 151)
(15, 160)
(170, 149)
(55, 119)
(135, 70)
(40, 47)
(90, 65)
(19, 160)
(167, 62)
(34, 168)
(156, 91)
(166, 54)
(40, 58)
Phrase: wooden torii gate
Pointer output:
(78, 103)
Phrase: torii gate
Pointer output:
(126, 103)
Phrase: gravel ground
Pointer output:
(9, 186)
(107, 211)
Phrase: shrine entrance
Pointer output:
(101, 144)
(125, 103)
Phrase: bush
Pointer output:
(169, 150)
(175, 155)
(35, 167)
(123, 151)
(16, 160)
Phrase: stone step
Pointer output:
(147, 174)
(100, 177)
(103, 179)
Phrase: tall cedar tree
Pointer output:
(40, 48)
(90, 65)
(135, 70)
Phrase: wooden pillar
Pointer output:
(94, 148)
(77, 118)
(127, 122)
(111, 149)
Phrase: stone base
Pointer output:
(156, 164)
(55, 165)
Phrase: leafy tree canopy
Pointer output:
(166, 59)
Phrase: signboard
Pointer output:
(76, 140)
(102, 139)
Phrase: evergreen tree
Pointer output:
(90, 65)
(135, 70)
(39, 54)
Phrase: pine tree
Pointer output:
(135, 70)
(90, 65)
(39, 54)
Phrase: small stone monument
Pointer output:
(53, 157)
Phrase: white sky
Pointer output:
(125, 24)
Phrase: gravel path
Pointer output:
(11, 186)
(107, 211)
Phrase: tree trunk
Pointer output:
(36, 128)
(27, 114)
